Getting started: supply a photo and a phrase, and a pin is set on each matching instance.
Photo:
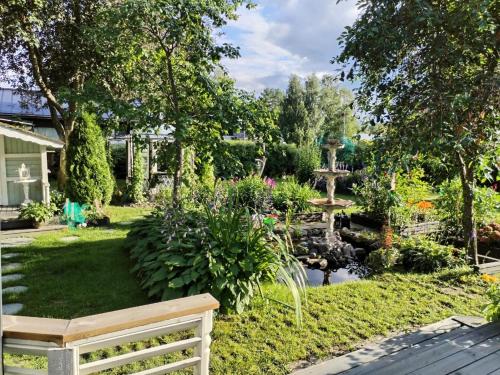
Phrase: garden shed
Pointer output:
(24, 151)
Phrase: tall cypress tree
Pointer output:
(293, 116)
(89, 174)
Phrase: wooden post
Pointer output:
(130, 157)
(153, 166)
(63, 361)
(45, 175)
(203, 349)
(4, 197)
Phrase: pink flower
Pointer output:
(270, 182)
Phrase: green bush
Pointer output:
(382, 259)
(290, 195)
(251, 192)
(308, 159)
(492, 309)
(217, 250)
(235, 159)
(281, 160)
(450, 205)
(57, 199)
(119, 161)
(135, 190)
(89, 175)
(38, 212)
(424, 255)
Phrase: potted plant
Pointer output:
(95, 216)
(37, 212)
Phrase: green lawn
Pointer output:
(93, 275)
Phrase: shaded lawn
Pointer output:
(88, 276)
(93, 275)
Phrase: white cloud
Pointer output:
(281, 37)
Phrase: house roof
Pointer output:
(11, 104)
(13, 131)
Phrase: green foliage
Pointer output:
(119, 161)
(450, 205)
(235, 159)
(89, 175)
(428, 79)
(251, 192)
(308, 159)
(290, 195)
(412, 190)
(375, 195)
(135, 190)
(382, 259)
(38, 212)
(217, 250)
(424, 255)
(316, 109)
(281, 160)
(293, 118)
(57, 199)
(492, 310)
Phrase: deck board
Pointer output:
(459, 345)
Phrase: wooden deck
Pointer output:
(458, 345)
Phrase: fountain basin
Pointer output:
(336, 203)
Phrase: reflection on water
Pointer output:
(317, 277)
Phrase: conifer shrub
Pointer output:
(135, 190)
(89, 174)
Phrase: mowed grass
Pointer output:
(87, 276)
(93, 275)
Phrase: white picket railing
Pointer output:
(63, 342)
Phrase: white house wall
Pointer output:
(16, 153)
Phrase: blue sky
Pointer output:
(281, 37)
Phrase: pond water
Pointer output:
(316, 276)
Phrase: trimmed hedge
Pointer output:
(237, 159)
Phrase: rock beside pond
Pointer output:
(317, 263)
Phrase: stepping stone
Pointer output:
(15, 290)
(69, 239)
(13, 277)
(12, 308)
(12, 267)
(10, 255)
(16, 241)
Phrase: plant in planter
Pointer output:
(95, 216)
(37, 212)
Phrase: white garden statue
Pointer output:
(25, 179)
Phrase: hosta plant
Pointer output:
(219, 250)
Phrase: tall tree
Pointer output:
(164, 65)
(337, 104)
(43, 47)
(315, 113)
(293, 116)
(428, 70)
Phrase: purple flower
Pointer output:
(270, 182)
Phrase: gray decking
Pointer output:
(458, 345)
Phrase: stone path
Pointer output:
(11, 265)
(69, 238)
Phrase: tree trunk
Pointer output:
(62, 175)
(468, 218)
(178, 135)
(179, 169)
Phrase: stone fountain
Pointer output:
(329, 204)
